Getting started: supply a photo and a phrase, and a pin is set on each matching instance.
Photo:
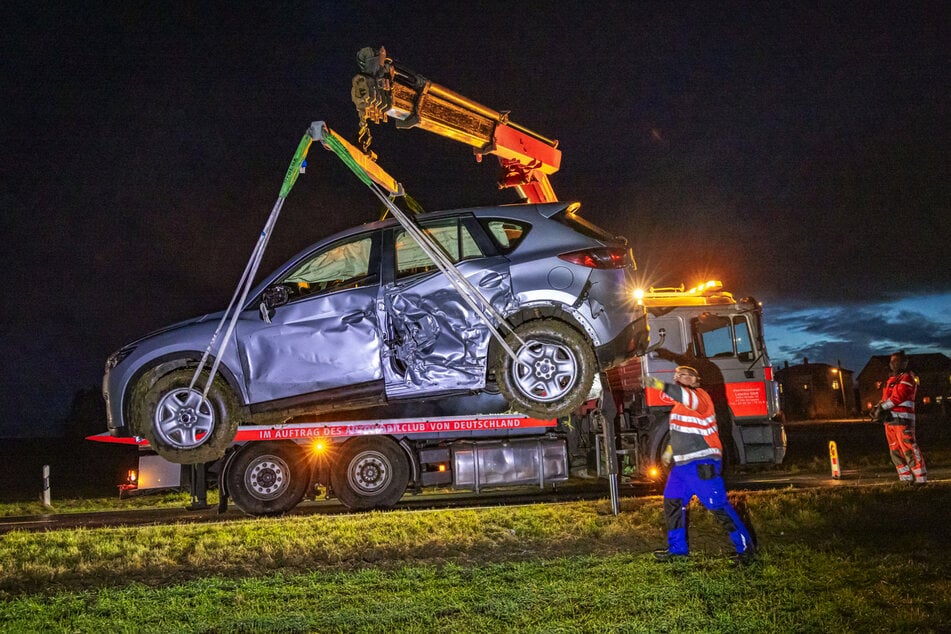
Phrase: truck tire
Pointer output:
(556, 371)
(370, 473)
(268, 478)
(180, 426)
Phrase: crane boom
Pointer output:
(384, 89)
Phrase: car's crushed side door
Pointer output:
(435, 342)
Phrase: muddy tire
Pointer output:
(370, 473)
(180, 426)
(268, 478)
(555, 372)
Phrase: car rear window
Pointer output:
(582, 226)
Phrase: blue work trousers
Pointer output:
(701, 478)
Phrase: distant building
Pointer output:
(816, 390)
(934, 381)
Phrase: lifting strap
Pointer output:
(385, 188)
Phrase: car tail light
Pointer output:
(768, 371)
(600, 258)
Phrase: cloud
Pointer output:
(854, 333)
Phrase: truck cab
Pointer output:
(706, 328)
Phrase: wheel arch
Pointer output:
(166, 363)
(402, 441)
(525, 314)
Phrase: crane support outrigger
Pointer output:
(386, 90)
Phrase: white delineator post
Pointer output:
(46, 485)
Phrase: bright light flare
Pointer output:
(318, 447)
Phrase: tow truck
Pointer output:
(473, 444)
(707, 328)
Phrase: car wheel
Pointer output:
(370, 473)
(555, 371)
(268, 478)
(180, 425)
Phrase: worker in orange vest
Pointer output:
(897, 411)
(697, 460)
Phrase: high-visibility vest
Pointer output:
(693, 426)
(898, 396)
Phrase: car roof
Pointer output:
(518, 210)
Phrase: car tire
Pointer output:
(179, 425)
(370, 473)
(557, 372)
(268, 478)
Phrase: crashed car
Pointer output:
(364, 318)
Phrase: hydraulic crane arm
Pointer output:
(384, 89)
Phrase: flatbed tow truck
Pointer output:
(473, 442)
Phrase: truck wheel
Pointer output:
(179, 424)
(555, 372)
(268, 478)
(370, 473)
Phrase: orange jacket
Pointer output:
(898, 396)
(693, 424)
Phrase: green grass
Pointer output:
(863, 559)
(96, 504)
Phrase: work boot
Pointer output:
(744, 558)
(664, 555)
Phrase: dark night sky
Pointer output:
(799, 152)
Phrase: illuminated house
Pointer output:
(934, 381)
(816, 390)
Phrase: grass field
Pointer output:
(864, 559)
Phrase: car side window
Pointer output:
(453, 238)
(344, 264)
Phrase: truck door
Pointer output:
(727, 341)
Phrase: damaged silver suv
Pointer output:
(365, 318)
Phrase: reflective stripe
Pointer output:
(702, 431)
(693, 455)
(689, 398)
(905, 415)
(696, 420)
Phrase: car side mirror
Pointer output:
(273, 297)
(276, 296)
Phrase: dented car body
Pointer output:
(365, 318)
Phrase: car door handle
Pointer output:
(492, 280)
(353, 318)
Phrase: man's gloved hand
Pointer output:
(667, 457)
(881, 415)
(650, 381)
